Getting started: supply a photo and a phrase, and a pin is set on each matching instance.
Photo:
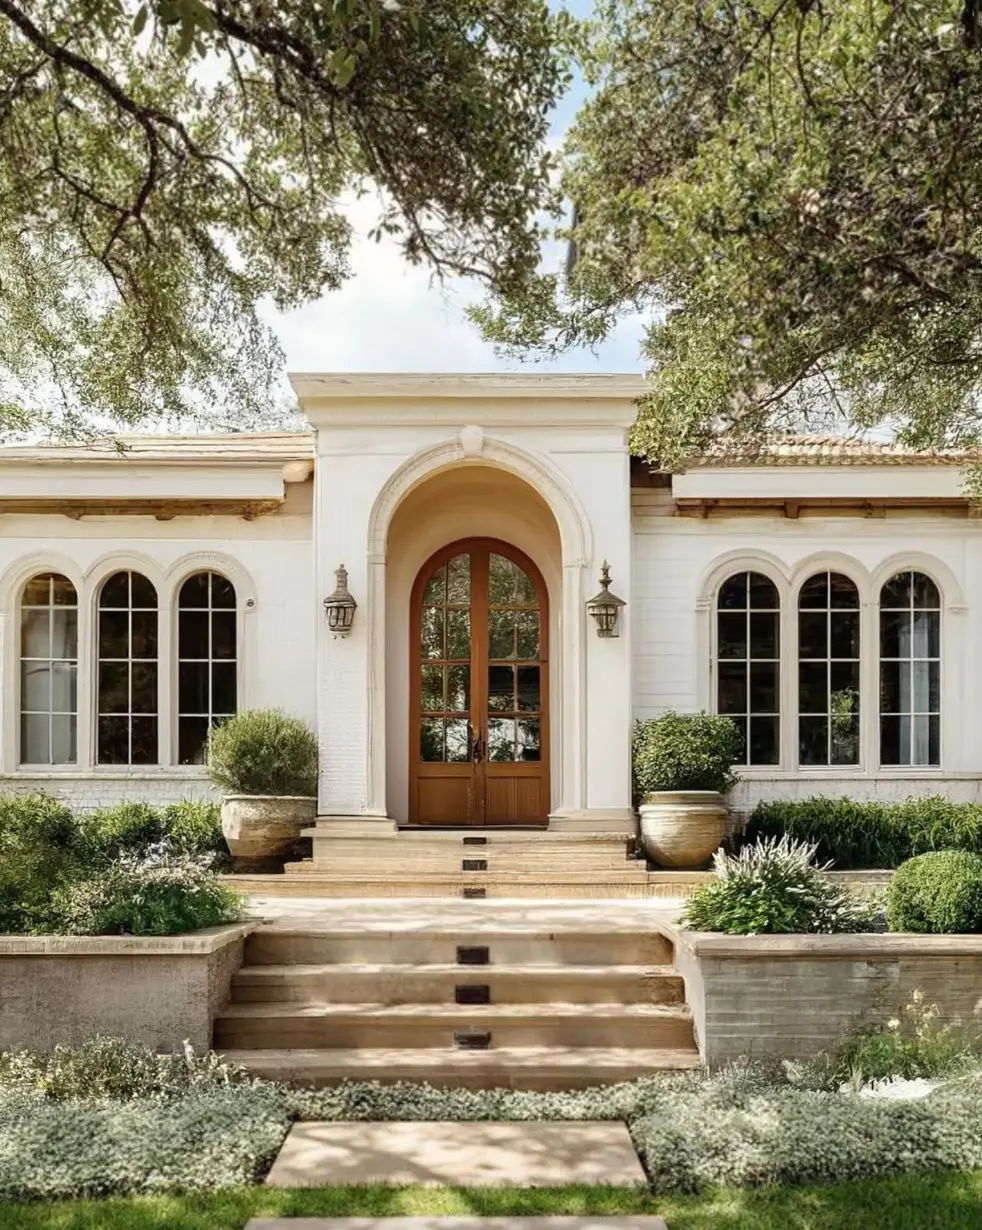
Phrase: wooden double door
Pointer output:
(479, 722)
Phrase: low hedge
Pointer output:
(869, 835)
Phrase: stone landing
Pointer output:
(373, 859)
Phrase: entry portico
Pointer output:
(521, 486)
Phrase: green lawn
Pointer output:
(938, 1202)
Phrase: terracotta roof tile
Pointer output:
(823, 450)
(258, 447)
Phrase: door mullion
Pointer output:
(480, 557)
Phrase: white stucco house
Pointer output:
(827, 595)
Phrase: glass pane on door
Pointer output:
(445, 669)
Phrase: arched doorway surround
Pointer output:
(479, 688)
(474, 452)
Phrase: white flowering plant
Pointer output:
(774, 886)
(914, 1044)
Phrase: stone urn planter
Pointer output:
(683, 766)
(259, 827)
(682, 829)
(266, 763)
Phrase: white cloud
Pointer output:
(391, 317)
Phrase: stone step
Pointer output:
(418, 1026)
(505, 867)
(428, 984)
(422, 837)
(444, 943)
(333, 857)
(538, 1068)
(536, 885)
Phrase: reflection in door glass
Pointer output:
(529, 743)
(431, 740)
(528, 688)
(431, 689)
(501, 739)
(509, 585)
(459, 580)
(501, 688)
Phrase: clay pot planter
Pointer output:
(683, 829)
(261, 827)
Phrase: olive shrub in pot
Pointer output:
(266, 762)
(682, 769)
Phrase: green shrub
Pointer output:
(112, 1068)
(190, 827)
(195, 827)
(940, 893)
(914, 1044)
(113, 831)
(684, 751)
(39, 850)
(773, 886)
(157, 892)
(870, 834)
(264, 752)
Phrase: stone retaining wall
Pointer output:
(156, 990)
(792, 996)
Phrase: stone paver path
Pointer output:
(456, 1223)
(462, 1154)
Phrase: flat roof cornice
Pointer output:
(354, 386)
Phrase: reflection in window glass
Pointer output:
(828, 671)
(49, 671)
(910, 671)
(126, 718)
(748, 638)
(207, 633)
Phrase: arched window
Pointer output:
(49, 670)
(748, 685)
(828, 670)
(910, 671)
(126, 711)
(206, 652)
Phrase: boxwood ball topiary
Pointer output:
(939, 893)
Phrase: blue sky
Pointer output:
(389, 317)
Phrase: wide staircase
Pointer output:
(529, 996)
(348, 862)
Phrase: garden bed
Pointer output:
(158, 990)
(791, 996)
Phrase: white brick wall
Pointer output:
(270, 560)
(90, 792)
(673, 560)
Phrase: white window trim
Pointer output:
(167, 582)
(789, 582)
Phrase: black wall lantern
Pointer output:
(340, 607)
(605, 606)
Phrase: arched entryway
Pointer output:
(479, 688)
